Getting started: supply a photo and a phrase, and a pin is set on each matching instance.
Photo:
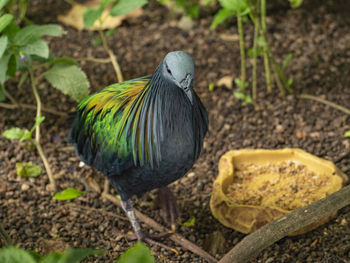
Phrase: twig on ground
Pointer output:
(253, 244)
(318, 99)
(110, 53)
(97, 60)
(32, 107)
(37, 134)
(177, 238)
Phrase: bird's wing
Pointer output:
(117, 127)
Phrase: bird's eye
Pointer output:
(169, 71)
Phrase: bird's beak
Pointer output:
(186, 84)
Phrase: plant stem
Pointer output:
(9, 96)
(242, 50)
(333, 105)
(266, 55)
(110, 53)
(255, 47)
(5, 236)
(37, 132)
(97, 60)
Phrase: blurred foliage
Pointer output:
(13, 254)
(274, 73)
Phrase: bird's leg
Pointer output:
(130, 212)
(169, 207)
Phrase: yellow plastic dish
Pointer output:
(256, 186)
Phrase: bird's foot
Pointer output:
(151, 240)
(169, 207)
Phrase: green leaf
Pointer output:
(11, 30)
(189, 222)
(104, 3)
(23, 5)
(211, 86)
(38, 121)
(69, 79)
(111, 32)
(3, 3)
(123, 7)
(91, 15)
(261, 42)
(295, 3)
(23, 78)
(3, 68)
(96, 41)
(15, 255)
(239, 95)
(73, 255)
(137, 254)
(64, 60)
(5, 20)
(17, 133)
(207, 1)
(3, 44)
(53, 257)
(221, 17)
(28, 33)
(28, 170)
(2, 94)
(68, 194)
(248, 100)
(259, 51)
(36, 47)
(240, 7)
(13, 133)
(12, 66)
(286, 61)
(347, 134)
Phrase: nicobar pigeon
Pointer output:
(143, 133)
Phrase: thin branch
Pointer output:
(255, 47)
(242, 50)
(318, 99)
(37, 133)
(5, 236)
(266, 55)
(28, 106)
(111, 54)
(97, 60)
(177, 238)
(9, 96)
(253, 244)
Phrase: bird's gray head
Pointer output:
(178, 68)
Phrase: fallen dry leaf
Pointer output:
(74, 17)
(226, 82)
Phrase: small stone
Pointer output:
(25, 187)
(344, 222)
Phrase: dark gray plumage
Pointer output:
(150, 136)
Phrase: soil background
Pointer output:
(317, 34)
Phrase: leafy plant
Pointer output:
(13, 254)
(116, 8)
(25, 52)
(256, 11)
(136, 254)
(190, 222)
(68, 194)
(189, 8)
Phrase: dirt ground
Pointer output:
(318, 36)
